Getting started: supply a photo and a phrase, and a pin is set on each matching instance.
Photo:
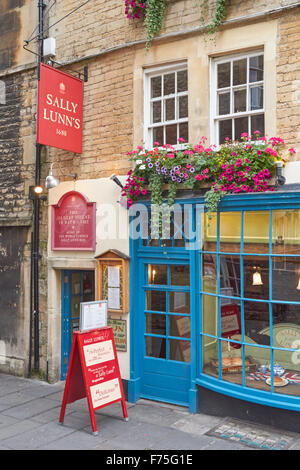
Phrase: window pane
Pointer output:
(286, 327)
(256, 232)
(240, 126)
(257, 319)
(231, 321)
(155, 324)
(288, 362)
(230, 231)
(171, 134)
(156, 112)
(169, 83)
(157, 274)
(179, 326)
(240, 72)
(286, 279)
(230, 275)
(256, 68)
(256, 97)
(240, 101)
(179, 350)
(210, 353)
(156, 300)
(209, 273)
(183, 107)
(170, 109)
(258, 124)
(155, 87)
(156, 347)
(286, 231)
(179, 302)
(224, 75)
(158, 135)
(180, 275)
(257, 376)
(232, 363)
(182, 84)
(225, 130)
(210, 315)
(256, 277)
(184, 131)
(224, 103)
(210, 232)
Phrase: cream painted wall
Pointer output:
(111, 233)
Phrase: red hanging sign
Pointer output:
(60, 109)
(73, 224)
(94, 373)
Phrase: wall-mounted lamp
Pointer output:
(51, 181)
(116, 180)
(257, 280)
(36, 192)
(279, 176)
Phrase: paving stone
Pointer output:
(30, 409)
(18, 428)
(77, 440)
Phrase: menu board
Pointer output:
(93, 315)
(94, 372)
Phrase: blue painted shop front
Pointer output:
(217, 305)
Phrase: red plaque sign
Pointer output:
(60, 110)
(231, 322)
(94, 373)
(73, 223)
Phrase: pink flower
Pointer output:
(144, 191)
(181, 139)
(198, 177)
(156, 143)
(292, 150)
(244, 134)
(248, 146)
(170, 155)
(259, 152)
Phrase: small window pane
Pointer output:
(240, 72)
(230, 231)
(224, 75)
(224, 103)
(179, 302)
(256, 97)
(156, 347)
(210, 315)
(179, 350)
(156, 112)
(258, 124)
(256, 277)
(182, 81)
(183, 107)
(180, 275)
(240, 126)
(231, 321)
(230, 275)
(158, 135)
(225, 130)
(169, 83)
(261, 357)
(179, 326)
(256, 232)
(209, 225)
(257, 318)
(240, 101)
(157, 274)
(256, 68)
(170, 110)
(184, 131)
(209, 273)
(155, 324)
(156, 301)
(171, 134)
(210, 354)
(155, 87)
(286, 232)
(285, 279)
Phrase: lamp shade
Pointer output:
(51, 181)
(257, 281)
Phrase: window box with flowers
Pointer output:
(248, 166)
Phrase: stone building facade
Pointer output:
(100, 36)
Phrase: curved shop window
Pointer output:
(250, 294)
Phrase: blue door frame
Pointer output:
(72, 293)
(141, 255)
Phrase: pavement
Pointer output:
(29, 420)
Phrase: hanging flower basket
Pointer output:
(246, 166)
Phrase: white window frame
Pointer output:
(148, 126)
(215, 117)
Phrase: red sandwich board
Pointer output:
(94, 373)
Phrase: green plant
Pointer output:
(246, 166)
(154, 16)
(218, 18)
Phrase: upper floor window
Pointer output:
(237, 96)
(166, 105)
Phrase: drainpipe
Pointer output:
(36, 210)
